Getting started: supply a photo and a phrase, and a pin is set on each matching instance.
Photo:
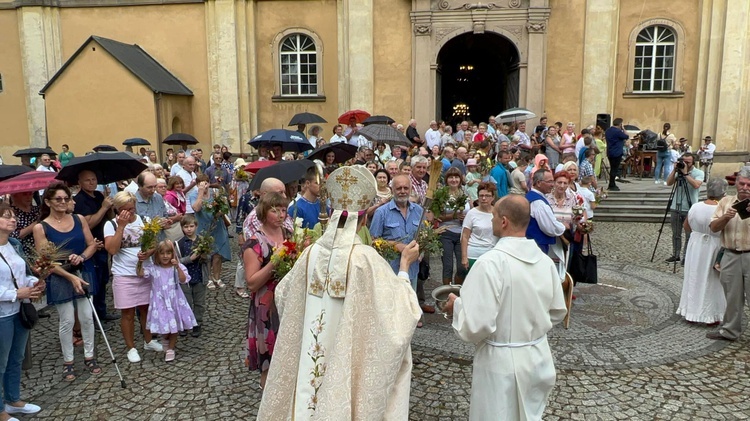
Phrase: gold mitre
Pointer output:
(351, 188)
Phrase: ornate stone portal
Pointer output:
(435, 22)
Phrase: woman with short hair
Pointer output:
(452, 218)
(477, 236)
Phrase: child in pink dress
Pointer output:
(169, 312)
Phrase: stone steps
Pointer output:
(637, 201)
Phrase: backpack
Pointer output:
(661, 145)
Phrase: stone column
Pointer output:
(361, 69)
(41, 55)
(532, 73)
(424, 69)
(599, 58)
(223, 84)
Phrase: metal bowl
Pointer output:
(440, 294)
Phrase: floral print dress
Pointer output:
(263, 318)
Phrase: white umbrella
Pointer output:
(514, 114)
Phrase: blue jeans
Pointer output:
(12, 348)
(663, 162)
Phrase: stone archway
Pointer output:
(522, 23)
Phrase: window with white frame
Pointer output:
(298, 61)
(654, 66)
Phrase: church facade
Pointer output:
(248, 65)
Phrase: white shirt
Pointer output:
(187, 178)
(432, 138)
(7, 290)
(707, 154)
(131, 188)
(523, 139)
(482, 238)
(544, 216)
(337, 139)
(175, 169)
(358, 140)
(579, 145)
(588, 197)
(42, 168)
(124, 262)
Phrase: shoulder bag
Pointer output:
(583, 268)
(28, 313)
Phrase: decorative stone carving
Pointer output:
(514, 4)
(537, 27)
(478, 27)
(440, 33)
(448, 5)
(422, 29)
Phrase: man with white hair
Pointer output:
(188, 176)
(432, 136)
(460, 160)
(413, 135)
(460, 130)
(735, 263)
(45, 165)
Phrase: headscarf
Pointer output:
(538, 163)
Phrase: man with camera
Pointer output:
(689, 180)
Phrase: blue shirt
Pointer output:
(615, 140)
(500, 176)
(306, 210)
(152, 208)
(389, 223)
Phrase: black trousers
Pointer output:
(614, 169)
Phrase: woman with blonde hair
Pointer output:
(568, 143)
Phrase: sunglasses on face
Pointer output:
(61, 199)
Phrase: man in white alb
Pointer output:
(706, 156)
(432, 136)
(509, 301)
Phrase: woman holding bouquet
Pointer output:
(451, 217)
(66, 285)
(263, 319)
(122, 240)
(568, 208)
(210, 211)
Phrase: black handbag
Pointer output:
(583, 266)
(28, 313)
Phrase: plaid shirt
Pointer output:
(252, 224)
(585, 169)
(418, 188)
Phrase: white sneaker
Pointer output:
(133, 356)
(657, 182)
(665, 183)
(28, 409)
(153, 346)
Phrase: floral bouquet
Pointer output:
(428, 238)
(385, 249)
(579, 208)
(151, 230)
(442, 201)
(220, 205)
(241, 175)
(49, 255)
(283, 258)
(600, 195)
(585, 227)
(305, 237)
(203, 245)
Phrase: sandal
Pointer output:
(242, 293)
(69, 373)
(92, 366)
(211, 284)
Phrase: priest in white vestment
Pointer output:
(343, 350)
(510, 300)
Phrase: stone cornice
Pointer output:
(90, 3)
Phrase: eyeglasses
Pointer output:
(8, 216)
(485, 195)
(61, 199)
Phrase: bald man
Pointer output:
(510, 300)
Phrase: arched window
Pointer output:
(299, 66)
(654, 66)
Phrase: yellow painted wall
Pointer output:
(652, 113)
(97, 101)
(15, 130)
(564, 76)
(174, 35)
(392, 57)
(173, 107)
(274, 17)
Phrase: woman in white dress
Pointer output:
(702, 299)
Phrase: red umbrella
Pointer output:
(255, 166)
(358, 114)
(27, 182)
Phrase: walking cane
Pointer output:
(101, 329)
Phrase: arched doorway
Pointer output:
(477, 76)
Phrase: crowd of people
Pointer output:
(511, 199)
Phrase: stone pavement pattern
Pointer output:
(625, 356)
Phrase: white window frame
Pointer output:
(677, 59)
(277, 53)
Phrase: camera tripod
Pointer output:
(679, 190)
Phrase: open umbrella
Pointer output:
(256, 166)
(384, 133)
(109, 167)
(306, 118)
(136, 141)
(343, 151)
(34, 152)
(378, 119)
(359, 115)
(9, 171)
(514, 114)
(180, 139)
(27, 182)
(105, 148)
(290, 141)
(286, 171)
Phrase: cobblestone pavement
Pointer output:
(625, 356)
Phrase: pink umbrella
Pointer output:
(27, 182)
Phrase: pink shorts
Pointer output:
(130, 291)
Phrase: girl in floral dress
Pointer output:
(169, 312)
(263, 318)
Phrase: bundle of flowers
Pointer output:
(442, 201)
(241, 175)
(283, 258)
(203, 245)
(428, 238)
(600, 195)
(579, 207)
(151, 230)
(585, 227)
(49, 255)
(219, 206)
(385, 249)
(305, 237)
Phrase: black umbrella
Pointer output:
(378, 119)
(306, 118)
(290, 141)
(10, 171)
(286, 171)
(34, 152)
(384, 133)
(105, 148)
(136, 141)
(343, 151)
(180, 139)
(109, 167)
